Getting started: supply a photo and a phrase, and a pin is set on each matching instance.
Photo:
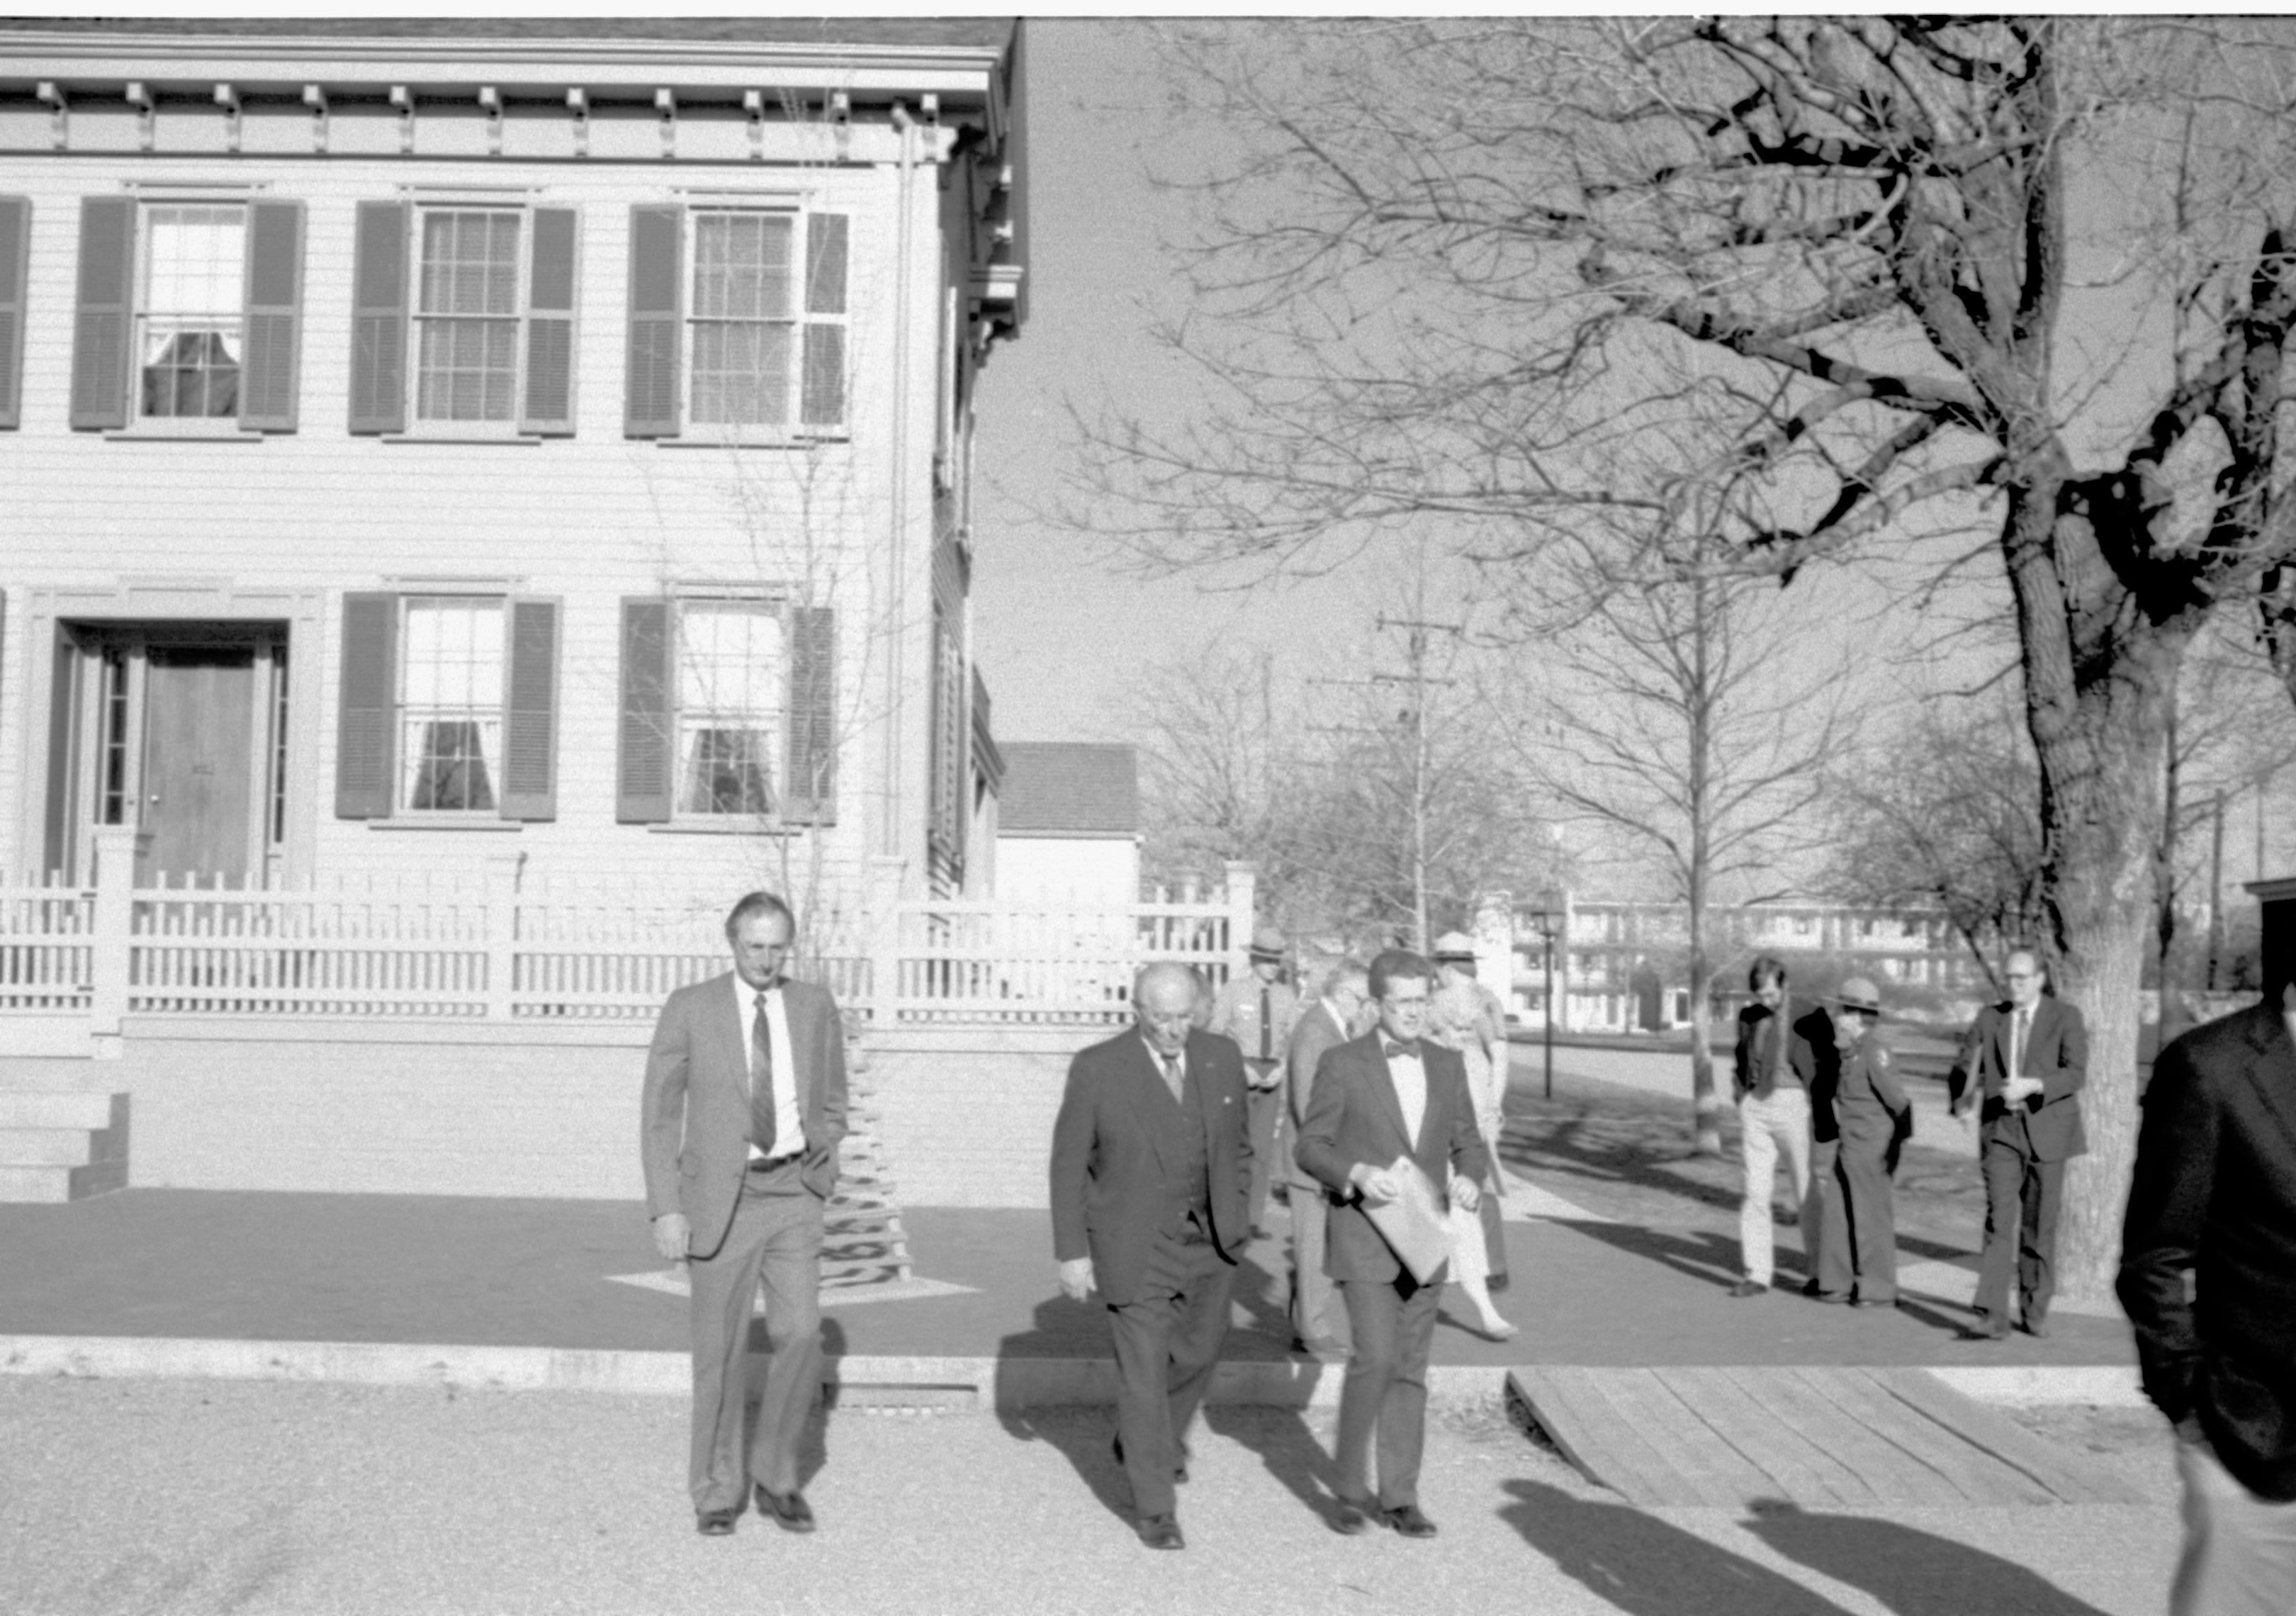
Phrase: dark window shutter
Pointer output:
(826, 243)
(379, 318)
(823, 404)
(530, 712)
(99, 330)
(15, 241)
(274, 300)
(369, 718)
(646, 773)
(657, 238)
(550, 325)
(810, 797)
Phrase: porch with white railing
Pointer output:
(492, 946)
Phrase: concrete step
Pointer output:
(36, 1074)
(46, 1147)
(55, 1109)
(20, 1185)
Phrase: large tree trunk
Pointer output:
(2100, 677)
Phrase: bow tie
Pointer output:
(1391, 1049)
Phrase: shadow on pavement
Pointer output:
(1644, 1566)
(1068, 1329)
(1913, 1573)
(1286, 1446)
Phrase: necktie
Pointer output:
(1391, 1049)
(762, 1116)
(1174, 1076)
(2017, 1044)
(1267, 1029)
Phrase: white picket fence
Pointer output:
(489, 946)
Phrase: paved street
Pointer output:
(195, 1498)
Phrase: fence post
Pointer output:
(1243, 896)
(502, 933)
(884, 920)
(118, 847)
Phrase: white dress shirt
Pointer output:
(789, 1123)
(1409, 1075)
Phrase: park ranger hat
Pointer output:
(1858, 993)
(1454, 945)
(1268, 943)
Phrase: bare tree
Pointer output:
(1696, 718)
(1943, 815)
(1834, 283)
(1217, 771)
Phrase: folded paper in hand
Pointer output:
(1413, 1224)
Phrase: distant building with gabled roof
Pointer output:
(1069, 822)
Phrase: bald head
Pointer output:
(1164, 1004)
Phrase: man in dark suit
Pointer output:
(1327, 1023)
(1786, 1059)
(2022, 1069)
(743, 1111)
(1387, 1095)
(2213, 1202)
(1152, 1172)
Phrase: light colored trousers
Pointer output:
(2240, 1550)
(1766, 1127)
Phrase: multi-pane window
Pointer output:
(466, 315)
(767, 320)
(451, 705)
(731, 674)
(190, 309)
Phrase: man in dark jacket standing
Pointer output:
(1151, 1173)
(1858, 1246)
(2022, 1070)
(2213, 1201)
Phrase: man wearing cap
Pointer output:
(2022, 1071)
(1784, 1062)
(1857, 1246)
(1257, 1010)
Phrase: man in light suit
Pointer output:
(1388, 1093)
(2022, 1069)
(2208, 1273)
(1150, 1174)
(1327, 1023)
(743, 1112)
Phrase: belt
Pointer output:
(767, 1164)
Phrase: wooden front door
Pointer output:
(199, 780)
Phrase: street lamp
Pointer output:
(1548, 918)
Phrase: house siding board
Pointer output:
(586, 522)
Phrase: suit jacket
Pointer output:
(694, 1123)
(1811, 1052)
(1317, 1031)
(1353, 1116)
(2214, 1195)
(1116, 1150)
(2057, 1052)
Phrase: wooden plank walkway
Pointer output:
(1823, 1439)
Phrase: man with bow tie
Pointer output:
(1388, 1093)
(1151, 1172)
(2022, 1070)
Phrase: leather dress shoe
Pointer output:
(1747, 1287)
(1988, 1328)
(1352, 1516)
(716, 1523)
(789, 1510)
(1161, 1531)
(2037, 1326)
(1409, 1521)
(1180, 1471)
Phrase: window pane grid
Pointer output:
(450, 713)
(729, 675)
(194, 274)
(467, 315)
